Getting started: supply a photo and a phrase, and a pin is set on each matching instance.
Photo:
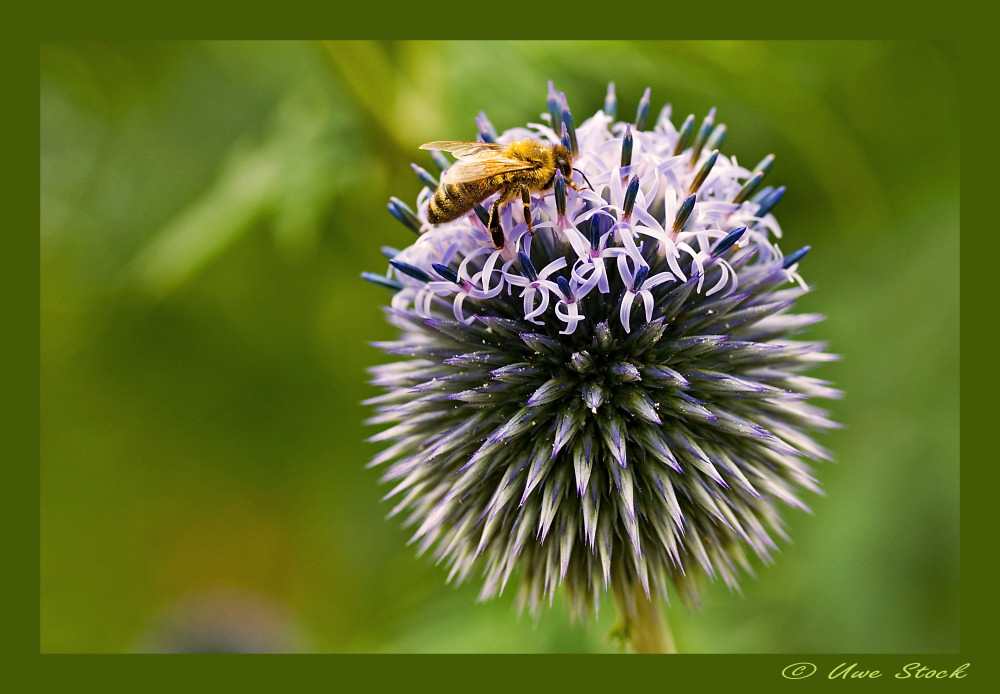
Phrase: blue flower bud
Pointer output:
(404, 214)
(795, 257)
(727, 241)
(447, 273)
(703, 172)
(643, 111)
(382, 281)
(425, 177)
(684, 135)
(630, 193)
(611, 101)
(627, 147)
(411, 270)
(680, 219)
(526, 267)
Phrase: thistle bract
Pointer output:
(615, 401)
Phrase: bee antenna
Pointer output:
(584, 178)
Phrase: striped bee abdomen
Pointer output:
(450, 201)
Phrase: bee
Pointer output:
(486, 168)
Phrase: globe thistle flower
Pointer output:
(613, 399)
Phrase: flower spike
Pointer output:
(611, 102)
(555, 110)
(703, 172)
(627, 147)
(567, 119)
(382, 281)
(407, 269)
(795, 257)
(680, 219)
(768, 202)
(425, 178)
(684, 135)
(643, 111)
(699, 142)
(750, 187)
(404, 214)
(447, 273)
(727, 241)
(630, 193)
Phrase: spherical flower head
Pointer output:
(613, 398)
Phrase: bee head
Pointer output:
(563, 161)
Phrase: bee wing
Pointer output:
(483, 166)
(462, 149)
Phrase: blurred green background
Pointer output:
(206, 209)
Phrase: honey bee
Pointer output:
(485, 168)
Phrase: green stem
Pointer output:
(643, 624)
(651, 633)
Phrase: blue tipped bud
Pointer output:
(440, 160)
(665, 112)
(716, 138)
(772, 199)
(611, 102)
(560, 189)
(684, 135)
(627, 147)
(404, 214)
(552, 102)
(526, 266)
(564, 287)
(447, 273)
(486, 130)
(564, 138)
(765, 164)
(749, 187)
(795, 257)
(703, 172)
(643, 110)
(727, 241)
(407, 269)
(425, 177)
(630, 193)
(595, 232)
(567, 119)
(483, 215)
(389, 252)
(382, 281)
(703, 132)
(683, 213)
(640, 276)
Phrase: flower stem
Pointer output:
(642, 624)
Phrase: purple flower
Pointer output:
(616, 401)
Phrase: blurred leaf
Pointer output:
(291, 176)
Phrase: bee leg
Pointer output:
(496, 231)
(576, 187)
(526, 199)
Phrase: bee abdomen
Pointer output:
(450, 201)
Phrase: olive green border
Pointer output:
(530, 673)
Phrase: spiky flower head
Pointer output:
(614, 400)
